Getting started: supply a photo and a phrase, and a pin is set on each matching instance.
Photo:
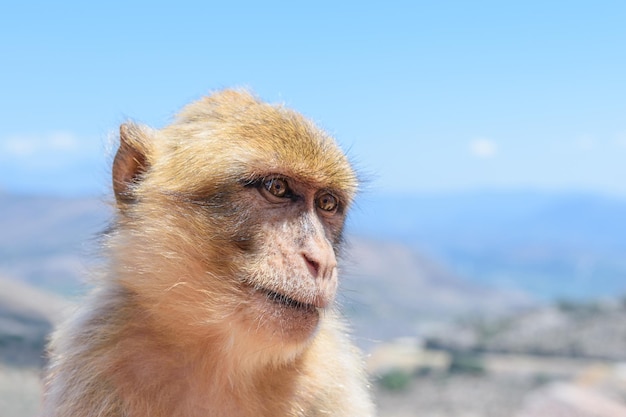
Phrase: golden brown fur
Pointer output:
(218, 300)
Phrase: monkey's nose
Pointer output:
(320, 266)
(312, 264)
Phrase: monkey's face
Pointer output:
(230, 220)
(292, 274)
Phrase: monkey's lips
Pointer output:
(286, 301)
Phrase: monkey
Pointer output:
(218, 297)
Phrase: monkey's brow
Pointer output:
(252, 182)
(258, 182)
(202, 198)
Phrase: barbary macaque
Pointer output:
(218, 295)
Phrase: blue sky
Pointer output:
(426, 96)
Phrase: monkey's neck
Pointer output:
(196, 372)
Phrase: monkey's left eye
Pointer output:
(327, 202)
(277, 187)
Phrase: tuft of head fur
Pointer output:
(266, 138)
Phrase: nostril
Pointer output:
(313, 265)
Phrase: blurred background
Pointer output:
(485, 272)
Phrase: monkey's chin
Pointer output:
(285, 318)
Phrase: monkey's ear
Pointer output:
(130, 163)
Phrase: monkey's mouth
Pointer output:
(286, 301)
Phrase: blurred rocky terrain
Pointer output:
(27, 316)
(565, 360)
(594, 330)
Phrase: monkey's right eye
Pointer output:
(277, 187)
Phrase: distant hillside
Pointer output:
(572, 219)
(48, 241)
(553, 245)
(390, 290)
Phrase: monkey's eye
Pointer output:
(277, 187)
(327, 202)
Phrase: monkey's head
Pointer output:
(230, 219)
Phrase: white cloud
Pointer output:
(18, 147)
(63, 141)
(483, 148)
(58, 161)
(28, 145)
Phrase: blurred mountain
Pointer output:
(389, 290)
(553, 245)
(555, 217)
(48, 241)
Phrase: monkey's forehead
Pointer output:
(236, 135)
(210, 161)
